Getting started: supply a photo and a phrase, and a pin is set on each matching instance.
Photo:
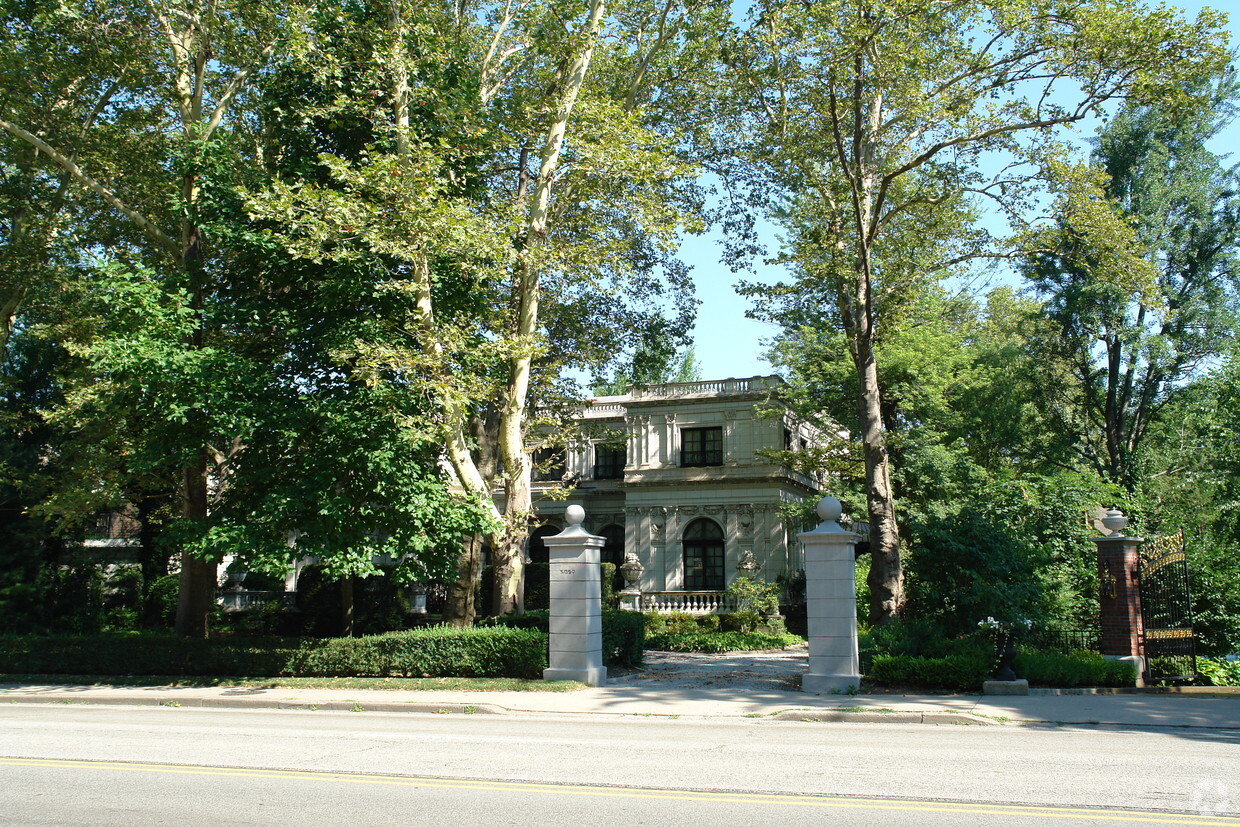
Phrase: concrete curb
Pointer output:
(448, 708)
(877, 717)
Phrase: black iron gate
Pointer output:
(1166, 610)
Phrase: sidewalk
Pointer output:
(636, 696)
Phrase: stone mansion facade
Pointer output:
(672, 474)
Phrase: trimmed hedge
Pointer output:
(623, 633)
(1077, 669)
(671, 640)
(953, 672)
(967, 672)
(437, 651)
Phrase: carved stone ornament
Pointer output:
(631, 570)
(748, 564)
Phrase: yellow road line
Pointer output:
(787, 799)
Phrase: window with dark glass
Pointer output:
(550, 464)
(703, 545)
(609, 461)
(701, 446)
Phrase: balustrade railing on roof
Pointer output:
(721, 386)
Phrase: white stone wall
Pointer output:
(658, 498)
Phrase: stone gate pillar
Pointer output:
(1119, 594)
(576, 603)
(831, 604)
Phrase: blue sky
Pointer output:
(730, 345)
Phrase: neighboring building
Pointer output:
(671, 473)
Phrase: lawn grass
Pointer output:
(406, 684)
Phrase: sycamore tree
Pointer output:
(166, 89)
(524, 208)
(865, 122)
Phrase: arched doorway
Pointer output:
(613, 552)
(538, 552)
(703, 552)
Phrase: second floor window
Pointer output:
(550, 464)
(608, 461)
(701, 446)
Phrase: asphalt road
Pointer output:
(128, 765)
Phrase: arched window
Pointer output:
(703, 545)
(538, 549)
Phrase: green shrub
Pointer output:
(1077, 669)
(957, 673)
(754, 595)
(698, 641)
(677, 622)
(1218, 672)
(624, 636)
(162, 598)
(537, 587)
(611, 582)
(623, 633)
(431, 652)
(709, 623)
(744, 621)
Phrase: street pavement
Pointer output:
(749, 685)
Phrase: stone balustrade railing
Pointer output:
(720, 387)
(694, 603)
(242, 600)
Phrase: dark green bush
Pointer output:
(699, 641)
(537, 587)
(1077, 669)
(624, 636)
(744, 621)
(611, 582)
(623, 633)
(673, 622)
(961, 672)
(432, 652)
(162, 597)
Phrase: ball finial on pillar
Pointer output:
(574, 515)
(830, 510)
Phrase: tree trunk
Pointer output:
(198, 577)
(459, 609)
(346, 607)
(886, 578)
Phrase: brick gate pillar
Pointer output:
(1119, 594)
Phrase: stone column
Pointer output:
(576, 604)
(831, 604)
(1119, 594)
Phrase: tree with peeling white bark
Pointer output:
(571, 209)
(882, 117)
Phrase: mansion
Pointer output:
(673, 474)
